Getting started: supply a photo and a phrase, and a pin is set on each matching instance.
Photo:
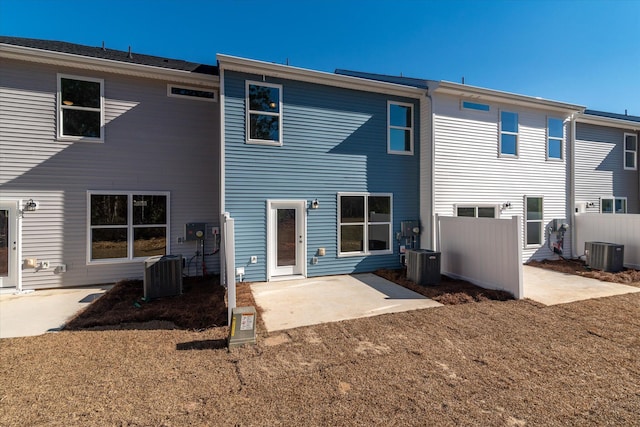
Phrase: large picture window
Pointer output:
(534, 221)
(400, 128)
(264, 113)
(126, 226)
(80, 107)
(364, 223)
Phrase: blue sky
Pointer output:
(578, 51)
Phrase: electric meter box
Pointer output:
(409, 228)
(243, 326)
(195, 231)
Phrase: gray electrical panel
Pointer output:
(409, 228)
(195, 231)
(243, 326)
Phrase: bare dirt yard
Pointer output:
(487, 362)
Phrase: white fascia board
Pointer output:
(608, 122)
(62, 59)
(490, 95)
(250, 66)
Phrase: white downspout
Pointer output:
(572, 186)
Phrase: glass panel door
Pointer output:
(286, 237)
(8, 245)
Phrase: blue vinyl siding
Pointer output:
(334, 140)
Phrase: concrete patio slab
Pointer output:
(311, 301)
(43, 311)
(552, 287)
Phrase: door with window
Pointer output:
(8, 245)
(286, 247)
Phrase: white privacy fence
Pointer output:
(618, 229)
(484, 251)
(228, 261)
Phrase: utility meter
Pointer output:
(195, 231)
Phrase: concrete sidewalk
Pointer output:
(552, 287)
(304, 302)
(43, 311)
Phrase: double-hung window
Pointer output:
(476, 211)
(555, 138)
(613, 205)
(264, 113)
(126, 226)
(508, 134)
(400, 128)
(80, 108)
(534, 221)
(630, 151)
(364, 223)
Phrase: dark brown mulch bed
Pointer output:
(449, 291)
(201, 305)
(578, 267)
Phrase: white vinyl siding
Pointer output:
(467, 172)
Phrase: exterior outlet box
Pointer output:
(254, 259)
(322, 252)
(215, 231)
(239, 271)
(195, 231)
(62, 268)
(314, 260)
(243, 326)
(44, 264)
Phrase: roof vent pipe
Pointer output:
(103, 45)
(129, 55)
(625, 112)
(462, 79)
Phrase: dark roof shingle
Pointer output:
(612, 115)
(110, 54)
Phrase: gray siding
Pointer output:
(334, 141)
(600, 169)
(467, 168)
(152, 143)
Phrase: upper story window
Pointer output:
(192, 93)
(555, 138)
(126, 226)
(613, 205)
(364, 224)
(264, 113)
(468, 105)
(476, 211)
(80, 107)
(400, 128)
(508, 134)
(630, 151)
(534, 216)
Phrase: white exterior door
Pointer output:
(286, 238)
(8, 245)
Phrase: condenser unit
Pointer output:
(162, 276)
(423, 266)
(604, 256)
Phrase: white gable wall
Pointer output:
(468, 170)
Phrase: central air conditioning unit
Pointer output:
(423, 266)
(604, 256)
(162, 276)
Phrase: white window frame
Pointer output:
(248, 112)
(195, 98)
(555, 138)
(404, 128)
(130, 226)
(496, 209)
(613, 200)
(61, 108)
(472, 102)
(635, 152)
(504, 132)
(365, 224)
(527, 221)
